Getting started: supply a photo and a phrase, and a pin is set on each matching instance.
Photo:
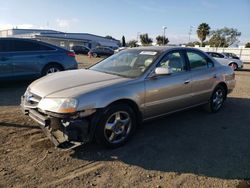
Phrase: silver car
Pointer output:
(236, 64)
(110, 99)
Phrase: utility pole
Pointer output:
(164, 31)
(190, 32)
(138, 34)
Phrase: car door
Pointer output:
(6, 66)
(203, 76)
(168, 93)
(26, 58)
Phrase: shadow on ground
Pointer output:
(11, 92)
(15, 125)
(244, 70)
(214, 145)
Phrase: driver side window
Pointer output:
(174, 61)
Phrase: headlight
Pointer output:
(58, 105)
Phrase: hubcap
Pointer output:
(218, 99)
(52, 70)
(234, 66)
(117, 127)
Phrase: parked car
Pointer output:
(120, 49)
(108, 100)
(80, 50)
(231, 55)
(26, 58)
(101, 51)
(223, 59)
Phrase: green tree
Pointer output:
(247, 45)
(132, 43)
(160, 40)
(123, 41)
(217, 41)
(231, 35)
(224, 37)
(202, 32)
(145, 40)
(192, 44)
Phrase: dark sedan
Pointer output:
(81, 50)
(101, 51)
(27, 58)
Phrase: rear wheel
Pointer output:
(51, 68)
(234, 66)
(217, 99)
(116, 126)
(95, 55)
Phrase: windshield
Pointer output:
(129, 63)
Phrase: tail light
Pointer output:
(71, 54)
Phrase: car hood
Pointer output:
(73, 83)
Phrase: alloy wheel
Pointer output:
(117, 127)
(52, 70)
(218, 99)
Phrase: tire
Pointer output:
(234, 66)
(95, 55)
(216, 100)
(51, 68)
(116, 125)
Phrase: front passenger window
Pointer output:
(174, 61)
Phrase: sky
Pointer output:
(128, 17)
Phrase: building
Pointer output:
(62, 39)
(24, 33)
(68, 40)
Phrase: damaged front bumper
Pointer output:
(66, 131)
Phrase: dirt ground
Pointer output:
(188, 149)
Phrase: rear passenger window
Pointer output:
(198, 60)
(21, 46)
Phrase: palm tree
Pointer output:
(202, 32)
(132, 43)
(160, 40)
(145, 40)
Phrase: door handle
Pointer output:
(187, 82)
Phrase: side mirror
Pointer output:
(163, 71)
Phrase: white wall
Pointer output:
(243, 53)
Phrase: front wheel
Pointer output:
(234, 66)
(116, 125)
(217, 99)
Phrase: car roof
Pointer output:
(33, 40)
(161, 48)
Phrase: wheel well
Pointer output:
(233, 63)
(53, 63)
(133, 105)
(224, 86)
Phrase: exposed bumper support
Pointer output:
(64, 132)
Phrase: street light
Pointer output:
(164, 30)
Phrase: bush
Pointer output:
(247, 45)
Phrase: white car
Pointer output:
(223, 59)
(120, 49)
